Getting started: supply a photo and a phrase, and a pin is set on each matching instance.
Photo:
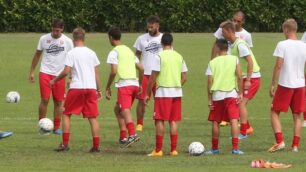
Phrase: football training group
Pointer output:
(156, 72)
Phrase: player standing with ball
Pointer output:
(53, 48)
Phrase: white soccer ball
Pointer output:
(45, 125)
(196, 149)
(12, 97)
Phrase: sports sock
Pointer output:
(57, 123)
(96, 142)
(295, 141)
(131, 128)
(279, 137)
(158, 143)
(304, 116)
(122, 134)
(235, 142)
(215, 143)
(243, 128)
(140, 121)
(65, 137)
(173, 142)
(248, 124)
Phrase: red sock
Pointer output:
(158, 143)
(57, 123)
(248, 124)
(96, 142)
(215, 143)
(140, 121)
(304, 116)
(65, 137)
(131, 128)
(279, 137)
(295, 141)
(173, 142)
(243, 128)
(235, 142)
(122, 134)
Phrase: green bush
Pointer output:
(130, 15)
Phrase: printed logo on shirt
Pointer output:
(153, 47)
(54, 49)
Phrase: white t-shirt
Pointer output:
(304, 37)
(294, 54)
(244, 35)
(83, 61)
(167, 92)
(149, 46)
(53, 53)
(112, 58)
(244, 51)
(221, 95)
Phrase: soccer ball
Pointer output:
(45, 126)
(12, 97)
(196, 149)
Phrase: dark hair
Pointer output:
(153, 19)
(240, 13)
(57, 23)
(167, 39)
(222, 44)
(115, 33)
(78, 34)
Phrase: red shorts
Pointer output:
(285, 97)
(58, 89)
(250, 93)
(224, 110)
(126, 96)
(82, 100)
(168, 108)
(144, 85)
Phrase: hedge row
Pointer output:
(130, 15)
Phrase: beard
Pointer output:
(153, 32)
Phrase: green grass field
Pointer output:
(29, 151)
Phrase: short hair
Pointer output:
(78, 34)
(153, 19)
(57, 23)
(115, 33)
(229, 25)
(290, 25)
(222, 44)
(240, 13)
(167, 39)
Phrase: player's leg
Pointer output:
(122, 125)
(173, 137)
(174, 118)
(58, 92)
(235, 140)
(304, 115)
(133, 137)
(297, 118)
(243, 116)
(141, 107)
(94, 125)
(214, 139)
(277, 129)
(66, 134)
(159, 131)
(45, 92)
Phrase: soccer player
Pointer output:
(147, 46)
(224, 89)
(304, 114)
(288, 84)
(123, 70)
(5, 134)
(53, 48)
(250, 73)
(84, 90)
(169, 72)
(240, 32)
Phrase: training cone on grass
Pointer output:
(259, 163)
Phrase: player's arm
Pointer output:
(62, 75)
(213, 51)
(183, 78)
(140, 69)
(239, 80)
(138, 54)
(98, 82)
(35, 61)
(209, 92)
(276, 72)
(249, 71)
(111, 78)
(151, 82)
